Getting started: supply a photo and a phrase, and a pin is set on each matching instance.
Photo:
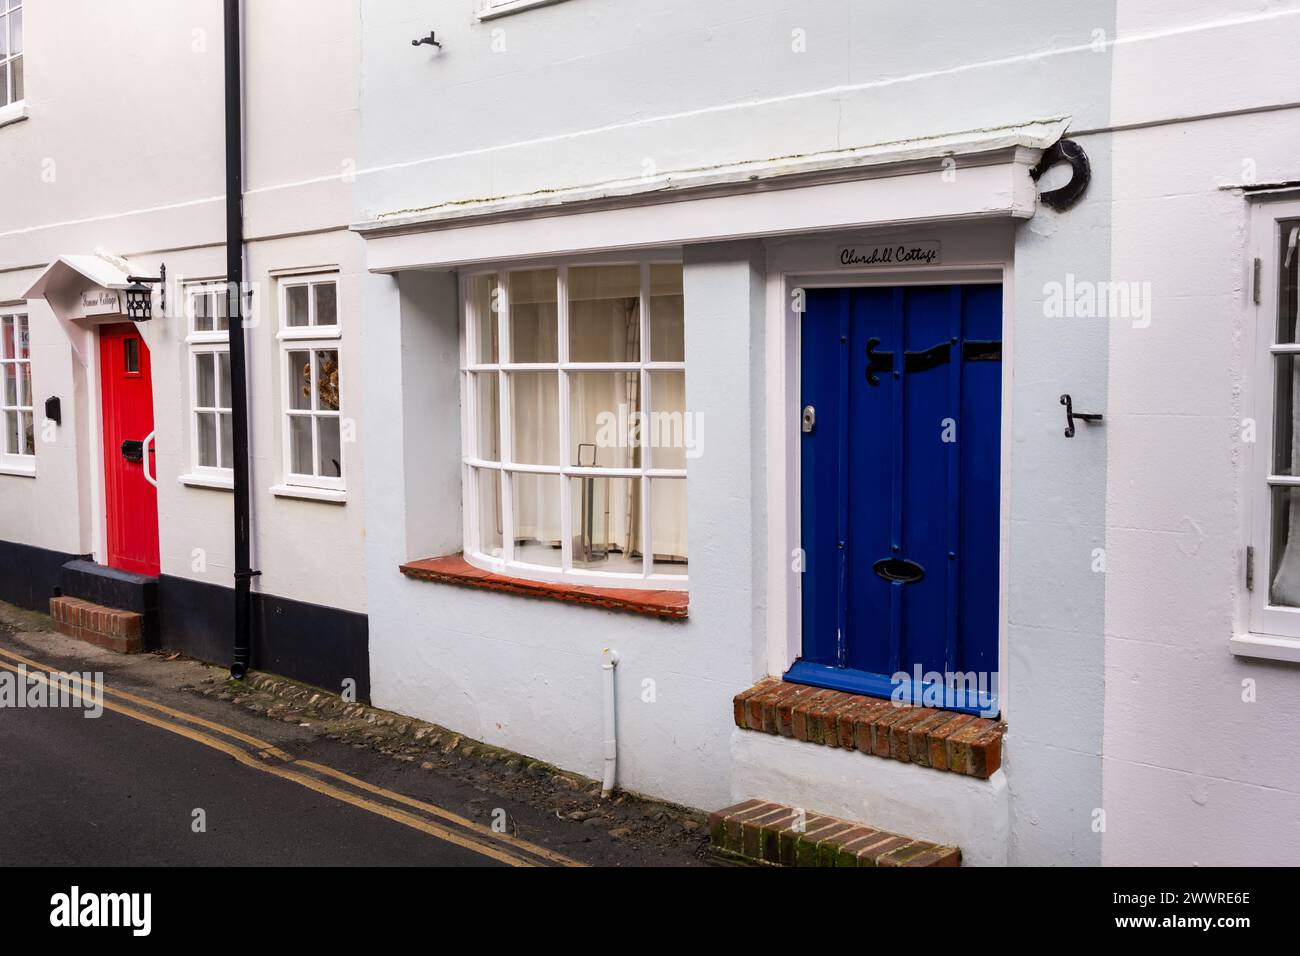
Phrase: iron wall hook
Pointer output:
(1071, 416)
(430, 39)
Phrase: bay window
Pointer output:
(576, 431)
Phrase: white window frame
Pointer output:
(1273, 630)
(12, 108)
(506, 563)
(205, 342)
(490, 9)
(12, 460)
(309, 338)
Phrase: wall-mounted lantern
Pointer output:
(139, 295)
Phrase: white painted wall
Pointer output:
(123, 150)
(1193, 774)
(1121, 694)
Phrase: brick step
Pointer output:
(925, 736)
(108, 627)
(763, 833)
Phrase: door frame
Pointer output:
(99, 467)
(95, 421)
(794, 265)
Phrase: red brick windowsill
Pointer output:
(941, 739)
(454, 569)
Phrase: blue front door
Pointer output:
(900, 468)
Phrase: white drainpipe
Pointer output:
(609, 662)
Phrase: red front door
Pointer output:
(130, 494)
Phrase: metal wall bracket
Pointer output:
(430, 39)
(1071, 416)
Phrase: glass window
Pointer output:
(11, 52)
(17, 422)
(314, 432)
(574, 495)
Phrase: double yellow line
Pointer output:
(267, 758)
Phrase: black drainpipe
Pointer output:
(238, 373)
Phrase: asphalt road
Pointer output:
(113, 791)
(122, 789)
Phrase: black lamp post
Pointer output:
(139, 295)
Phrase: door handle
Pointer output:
(145, 451)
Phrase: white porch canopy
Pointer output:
(879, 185)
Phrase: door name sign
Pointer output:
(925, 252)
(100, 301)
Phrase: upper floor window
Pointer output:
(11, 51)
(310, 334)
(17, 425)
(576, 434)
(497, 8)
(1275, 476)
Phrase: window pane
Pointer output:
(207, 439)
(667, 326)
(221, 311)
(15, 31)
(295, 298)
(605, 314)
(1284, 577)
(4, 35)
(1286, 313)
(226, 423)
(668, 525)
(535, 417)
(223, 379)
(131, 355)
(24, 337)
(487, 412)
(1286, 451)
(201, 303)
(606, 516)
(533, 321)
(205, 388)
(488, 489)
(327, 380)
(16, 79)
(11, 432)
(25, 383)
(10, 372)
(29, 434)
(300, 380)
(7, 337)
(483, 309)
(537, 518)
(603, 417)
(331, 450)
(670, 432)
(326, 303)
(300, 450)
